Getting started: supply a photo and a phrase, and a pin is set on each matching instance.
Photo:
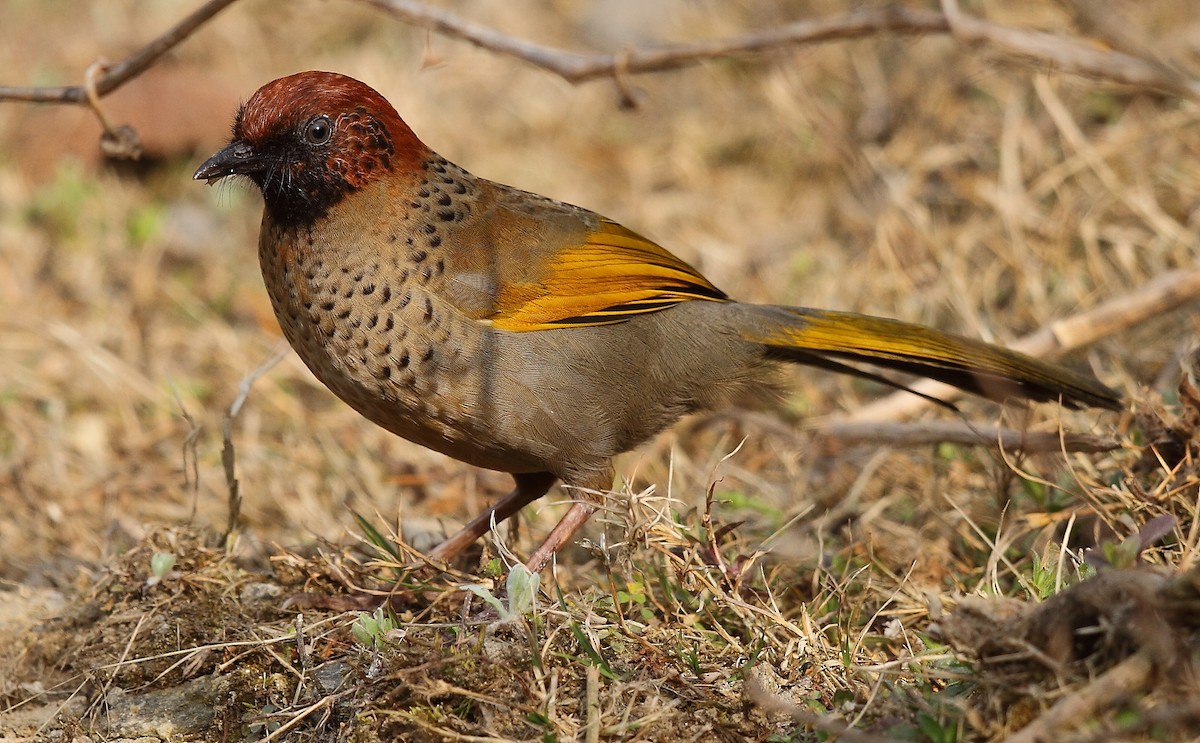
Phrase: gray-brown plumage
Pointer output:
(515, 332)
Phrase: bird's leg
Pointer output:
(580, 512)
(559, 535)
(529, 487)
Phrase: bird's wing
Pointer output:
(611, 275)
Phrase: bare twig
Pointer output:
(577, 67)
(227, 450)
(295, 717)
(592, 727)
(116, 141)
(92, 94)
(1107, 22)
(1067, 54)
(191, 474)
(925, 433)
(1130, 676)
(757, 692)
(1162, 294)
(122, 72)
(922, 433)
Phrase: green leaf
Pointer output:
(161, 564)
(374, 536)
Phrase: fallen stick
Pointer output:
(1129, 677)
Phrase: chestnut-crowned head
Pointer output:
(309, 140)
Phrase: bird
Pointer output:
(519, 333)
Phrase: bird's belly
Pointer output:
(404, 361)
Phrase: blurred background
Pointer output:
(912, 177)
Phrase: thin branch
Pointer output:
(925, 433)
(116, 75)
(1061, 52)
(841, 432)
(1129, 677)
(577, 67)
(1106, 22)
(228, 453)
(1068, 54)
(1064, 53)
(756, 692)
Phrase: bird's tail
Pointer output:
(839, 340)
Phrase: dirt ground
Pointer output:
(753, 578)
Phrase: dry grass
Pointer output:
(764, 594)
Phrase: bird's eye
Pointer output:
(319, 130)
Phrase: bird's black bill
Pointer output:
(239, 158)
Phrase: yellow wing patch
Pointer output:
(613, 275)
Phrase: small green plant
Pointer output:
(375, 537)
(386, 548)
(743, 501)
(521, 587)
(594, 657)
(542, 721)
(938, 729)
(1042, 578)
(376, 629)
(161, 564)
(1128, 552)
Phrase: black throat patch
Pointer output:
(302, 182)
